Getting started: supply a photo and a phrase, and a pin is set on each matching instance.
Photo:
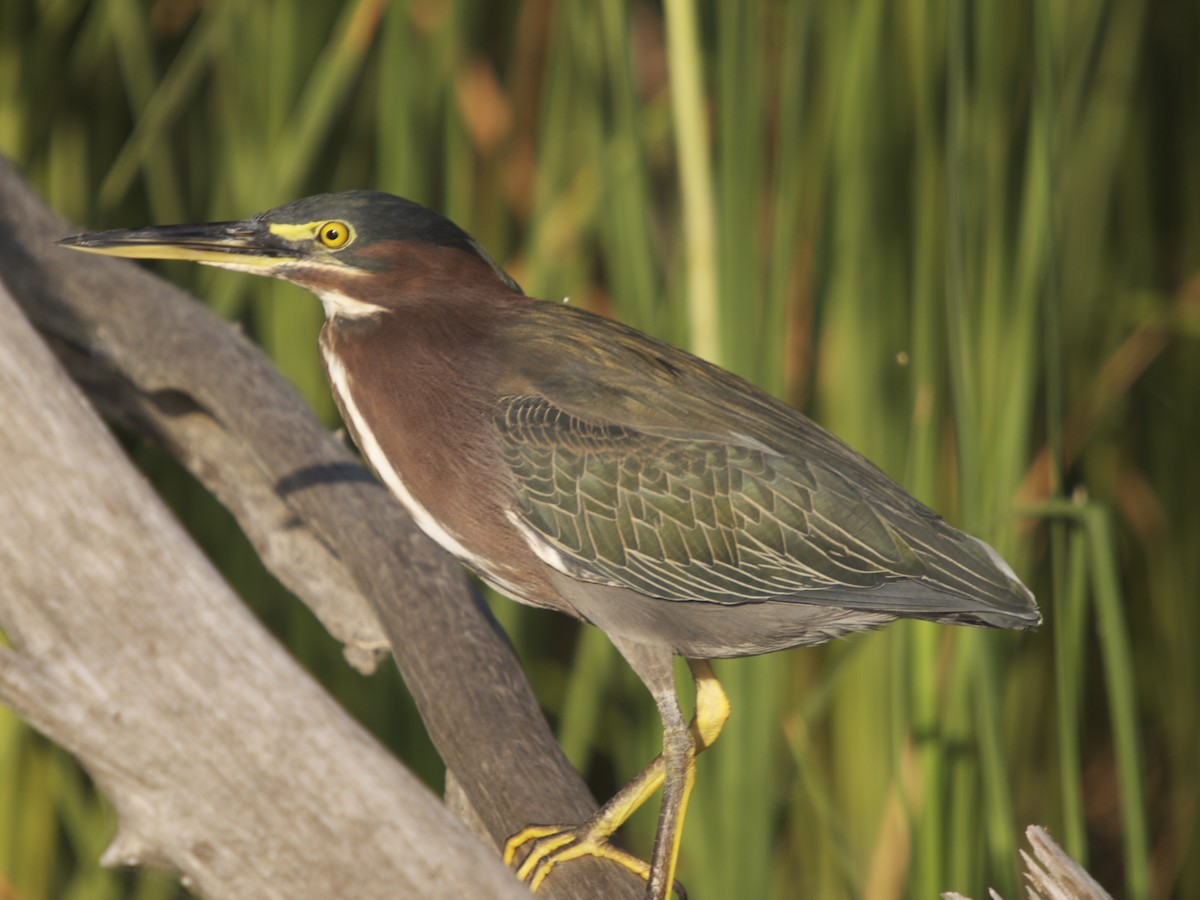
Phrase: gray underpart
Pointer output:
(711, 630)
(706, 630)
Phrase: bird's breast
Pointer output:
(425, 431)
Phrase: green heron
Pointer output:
(577, 464)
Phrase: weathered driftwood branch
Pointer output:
(222, 757)
(1051, 873)
(152, 357)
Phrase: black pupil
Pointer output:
(331, 234)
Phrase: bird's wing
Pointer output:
(685, 520)
(638, 465)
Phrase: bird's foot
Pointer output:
(550, 845)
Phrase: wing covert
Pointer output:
(691, 519)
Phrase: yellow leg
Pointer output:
(712, 709)
(712, 706)
(553, 844)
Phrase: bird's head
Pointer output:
(348, 248)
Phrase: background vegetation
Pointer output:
(963, 236)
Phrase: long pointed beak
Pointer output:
(240, 245)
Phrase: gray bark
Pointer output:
(1050, 874)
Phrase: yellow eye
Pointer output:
(335, 235)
